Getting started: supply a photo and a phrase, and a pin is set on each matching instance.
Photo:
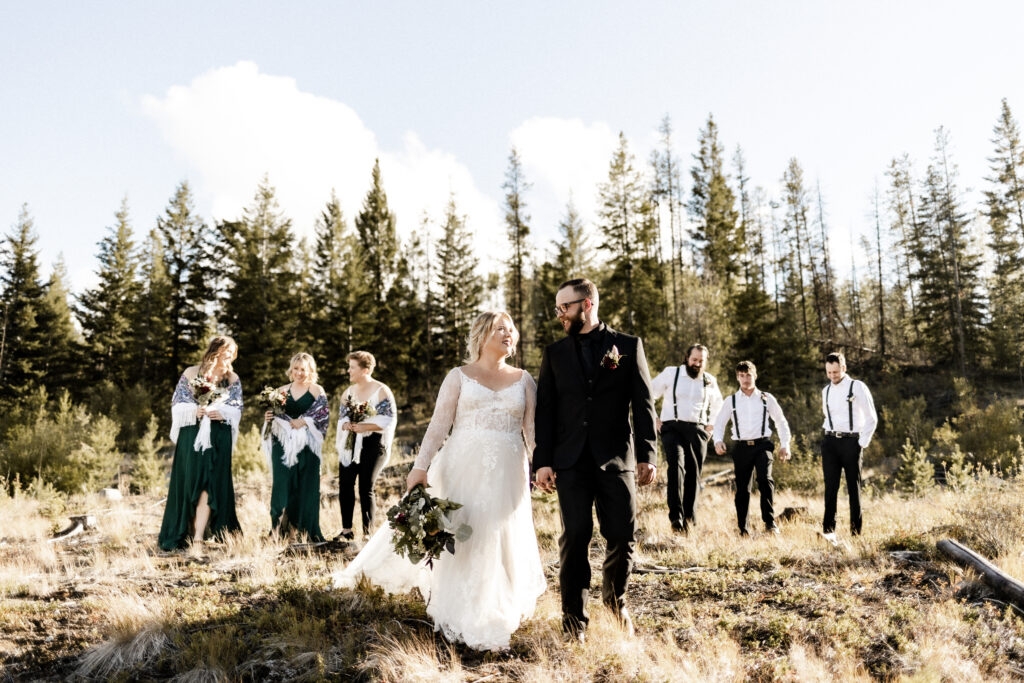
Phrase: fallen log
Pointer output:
(79, 523)
(717, 478)
(1005, 585)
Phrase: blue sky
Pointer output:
(101, 100)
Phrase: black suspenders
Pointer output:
(675, 399)
(703, 398)
(764, 416)
(849, 403)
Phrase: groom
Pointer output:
(590, 383)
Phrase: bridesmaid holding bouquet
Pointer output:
(294, 448)
(205, 409)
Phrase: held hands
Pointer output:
(269, 415)
(214, 415)
(546, 479)
(783, 454)
(645, 473)
(720, 447)
(415, 477)
(200, 412)
(297, 424)
(657, 425)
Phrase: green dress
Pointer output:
(193, 472)
(296, 489)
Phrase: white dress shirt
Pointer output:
(752, 412)
(688, 399)
(839, 401)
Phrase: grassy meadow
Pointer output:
(109, 605)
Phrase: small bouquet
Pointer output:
(273, 400)
(357, 412)
(422, 528)
(204, 391)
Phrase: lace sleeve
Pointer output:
(442, 420)
(529, 425)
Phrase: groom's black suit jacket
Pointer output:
(575, 409)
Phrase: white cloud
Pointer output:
(234, 124)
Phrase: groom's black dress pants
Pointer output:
(580, 487)
(686, 447)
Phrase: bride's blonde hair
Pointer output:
(482, 328)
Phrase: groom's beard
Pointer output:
(576, 324)
(692, 371)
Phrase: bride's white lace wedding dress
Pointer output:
(480, 594)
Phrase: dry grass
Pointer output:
(109, 605)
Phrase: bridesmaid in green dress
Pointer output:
(201, 497)
(294, 448)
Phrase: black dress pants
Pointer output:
(686, 447)
(580, 487)
(747, 459)
(840, 455)
(366, 471)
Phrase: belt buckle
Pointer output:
(751, 443)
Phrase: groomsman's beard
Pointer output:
(692, 371)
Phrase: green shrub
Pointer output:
(65, 446)
(130, 407)
(992, 437)
(248, 458)
(803, 471)
(916, 473)
(150, 466)
(906, 420)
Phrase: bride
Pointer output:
(480, 594)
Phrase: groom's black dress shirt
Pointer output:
(588, 346)
(579, 408)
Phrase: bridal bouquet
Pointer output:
(273, 400)
(422, 528)
(204, 391)
(357, 412)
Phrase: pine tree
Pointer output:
(187, 247)
(573, 257)
(378, 242)
(1004, 202)
(518, 229)
(712, 208)
(901, 206)
(105, 311)
(950, 307)
(623, 215)
(258, 309)
(24, 341)
(154, 335)
(63, 362)
(459, 286)
(793, 235)
(341, 291)
(667, 190)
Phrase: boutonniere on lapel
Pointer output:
(611, 359)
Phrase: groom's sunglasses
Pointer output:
(560, 309)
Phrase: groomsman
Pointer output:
(748, 410)
(692, 400)
(850, 422)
